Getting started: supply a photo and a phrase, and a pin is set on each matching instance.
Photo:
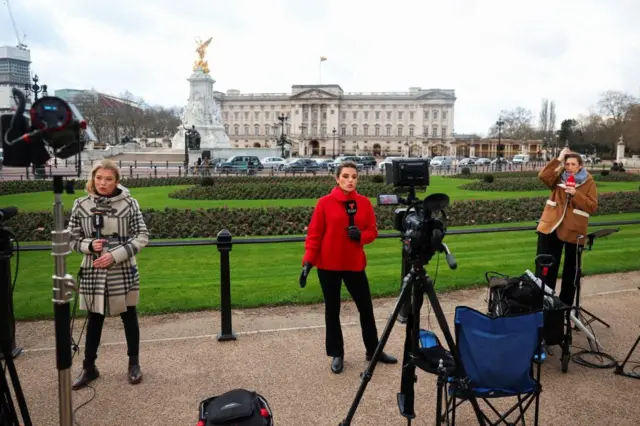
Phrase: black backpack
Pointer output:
(238, 407)
(512, 296)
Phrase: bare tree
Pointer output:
(551, 123)
(94, 113)
(517, 124)
(543, 122)
(616, 110)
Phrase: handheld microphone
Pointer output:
(570, 183)
(352, 209)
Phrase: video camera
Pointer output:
(422, 229)
(52, 127)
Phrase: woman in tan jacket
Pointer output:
(565, 218)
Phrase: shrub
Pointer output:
(466, 171)
(267, 191)
(501, 175)
(23, 187)
(604, 173)
(513, 184)
(377, 179)
(206, 181)
(488, 179)
(178, 223)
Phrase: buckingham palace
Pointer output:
(323, 120)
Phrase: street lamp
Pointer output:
(35, 88)
(334, 143)
(500, 123)
(283, 140)
(188, 136)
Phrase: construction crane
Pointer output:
(21, 44)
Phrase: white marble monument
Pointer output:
(203, 110)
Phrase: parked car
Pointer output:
(468, 161)
(442, 161)
(368, 161)
(481, 161)
(520, 159)
(383, 164)
(272, 162)
(305, 165)
(324, 163)
(339, 160)
(239, 163)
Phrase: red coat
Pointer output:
(327, 245)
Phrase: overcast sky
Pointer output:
(496, 54)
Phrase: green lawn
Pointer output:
(157, 197)
(187, 278)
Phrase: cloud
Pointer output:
(495, 55)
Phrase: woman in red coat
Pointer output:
(342, 223)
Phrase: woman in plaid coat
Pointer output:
(109, 279)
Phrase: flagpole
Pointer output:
(320, 71)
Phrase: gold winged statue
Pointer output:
(201, 50)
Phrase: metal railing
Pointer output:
(224, 242)
(165, 169)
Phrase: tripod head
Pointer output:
(600, 233)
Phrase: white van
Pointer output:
(441, 161)
(520, 159)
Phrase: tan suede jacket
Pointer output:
(569, 218)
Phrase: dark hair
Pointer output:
(576, 156)
(346, 165)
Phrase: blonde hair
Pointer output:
(103, 164)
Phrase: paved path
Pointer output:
(280, 353)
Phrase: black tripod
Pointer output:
(414, 285)
(620, 367)
(580, 312)
(8, 413)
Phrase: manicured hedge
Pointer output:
(511, 184)
(22, 187)
(269, 191)
(179, 223)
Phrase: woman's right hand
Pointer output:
(98, 245)
(566, 150)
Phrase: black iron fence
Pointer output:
(225, 242)
(163, 169)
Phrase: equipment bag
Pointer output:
(238, 407)
(515, 295)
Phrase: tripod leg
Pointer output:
(406, 397)
(620, 367)
(368, 373)
(7, 409)
(593, 318)
(22, 403)
(444, 326)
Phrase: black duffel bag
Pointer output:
(238, 407)
(513, 295)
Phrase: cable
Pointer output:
(579, 357)
(83, 404)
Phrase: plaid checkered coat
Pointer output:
(109, 291)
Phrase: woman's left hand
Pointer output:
(104, 261)
(570, 190)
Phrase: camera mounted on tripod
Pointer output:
(423, 222)
(50, 128)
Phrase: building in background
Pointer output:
(418, 122)
(14, 72)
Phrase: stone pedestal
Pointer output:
(203, 113)
(620, 151)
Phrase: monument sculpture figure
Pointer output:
(202, 112)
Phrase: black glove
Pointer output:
(305, 272)
(354, 233)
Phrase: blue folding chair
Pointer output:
(497, 357)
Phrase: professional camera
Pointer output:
(52, 127)
(422, 230)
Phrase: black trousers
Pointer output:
(94, 333)
(551, 244)
(358, 286)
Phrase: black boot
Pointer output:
(88, 374)
(385, 358)
(337, 364)
(134, 374)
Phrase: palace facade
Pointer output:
(323, 120)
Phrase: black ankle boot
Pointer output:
(337, 364)
(88, 374)
(134, 373)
